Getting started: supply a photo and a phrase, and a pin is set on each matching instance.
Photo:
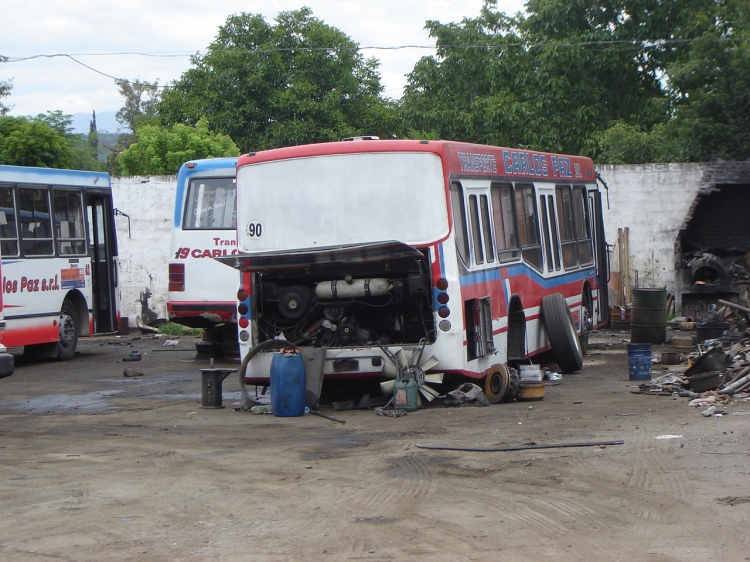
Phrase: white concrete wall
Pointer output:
(149, 201)
(651, 200)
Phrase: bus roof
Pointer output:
(202, 166)
(459, 158)
(54, 176)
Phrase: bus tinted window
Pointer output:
(69, 222)
(211, 204)
(567, 227)
(8, 231)
(486, 229)
(545, 231)
(459, 222)
(583, 231)
(476, 235)
(502, 215)
(553, 225)
(528, 225)
(36, 230)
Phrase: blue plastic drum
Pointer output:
(639, 361)
(288, 384)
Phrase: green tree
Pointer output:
(295, 82)
(83, 159)
(5, 88)
(710, 89)
(93, 138)
(161, 150)
(141, 98)
(708, 81)
(555, 78)
(31, 142)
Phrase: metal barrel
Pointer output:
(649, 316)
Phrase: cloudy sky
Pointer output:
(91, 31)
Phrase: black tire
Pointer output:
(514, 385)
(496, 383)
(68, 343)
(562, 334)
(586, 323)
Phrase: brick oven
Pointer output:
(712, 250)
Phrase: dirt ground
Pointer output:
(98, 466)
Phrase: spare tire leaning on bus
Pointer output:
(561, 331)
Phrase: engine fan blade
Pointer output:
(390, 370)
(386, 387)
(401, 358)
(429, 363)
(428, 393)
(434, 378)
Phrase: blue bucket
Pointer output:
(639, 361)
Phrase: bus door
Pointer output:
(600, 255)
(102, 252)
(549, 229)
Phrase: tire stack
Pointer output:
(649, 316)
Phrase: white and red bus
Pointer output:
(201, 290)
(59, 258)
(7, 361)
(424, 258)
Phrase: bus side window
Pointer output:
(36, 230)
(8, 231)
(506, 241)
(545, 231)
(528, 225)
(69, 222)
(489, 251)
(459, 222)
(583, 228)
(553, 225)
(567, 227)
(476, 235)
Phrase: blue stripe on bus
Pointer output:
(489, 275)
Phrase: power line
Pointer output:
(643, 43)
(528, 44)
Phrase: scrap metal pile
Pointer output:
(712, 379)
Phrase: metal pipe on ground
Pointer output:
(519, 447)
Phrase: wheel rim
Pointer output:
(574, 335)
(588, 322)
(67, 330)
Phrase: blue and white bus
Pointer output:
(59, 258)
(201, 290)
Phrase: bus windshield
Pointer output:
(211, 204)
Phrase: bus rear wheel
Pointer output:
(68, 343)
(561, 332)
